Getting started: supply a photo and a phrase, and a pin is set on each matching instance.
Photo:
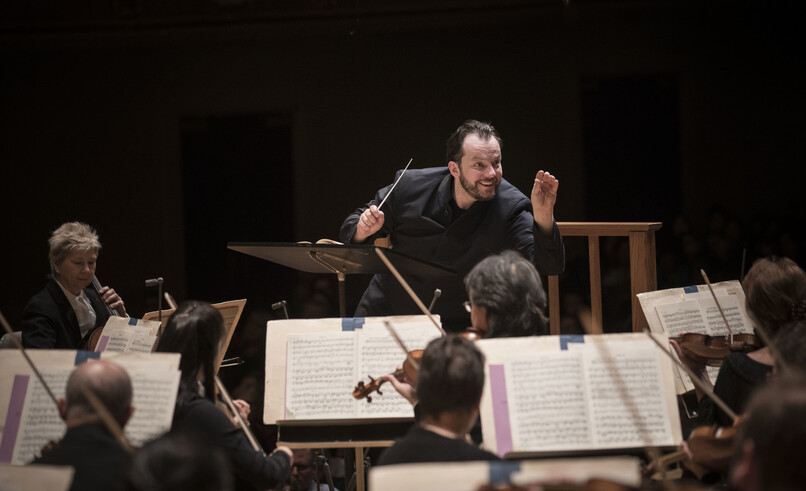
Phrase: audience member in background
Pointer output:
(88, 446)
(66, 310)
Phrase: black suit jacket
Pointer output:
(49, 321)
(99, 460)
(420, 222)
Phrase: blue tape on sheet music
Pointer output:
(132, 321)
(690, 289)
(570, 338)
(501, 470)
(352, 323)
(82, 356)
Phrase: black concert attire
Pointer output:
(49, 321)
(99, 460)
(422, 445)
(422, 220)
(251, 469)
(738, 377)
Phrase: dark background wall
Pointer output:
(176, 128)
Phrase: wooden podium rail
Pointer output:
(643, 268)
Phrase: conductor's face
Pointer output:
(480, 171)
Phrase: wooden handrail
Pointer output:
(643, 267)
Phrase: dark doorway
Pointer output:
(631, 148)
(238, 187)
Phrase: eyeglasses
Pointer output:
(467, 305)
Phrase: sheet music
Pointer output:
(154, 399)
(598, 396)
(35, 418)
(627, 403)
(119, 335)
(682, 317)
(548, 406)
(320, 375)
(379, 354)
(40, 421)
(692, 309)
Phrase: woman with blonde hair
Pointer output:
(67, 310)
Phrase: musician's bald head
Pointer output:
(111, 385)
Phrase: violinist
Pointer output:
(88, 446)
(449, 385)
(196, 330)
(775, 292)
(66, 310)
(507, 298)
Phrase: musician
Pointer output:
(99, 460)
(772, 441)
(775, 295)
(456, 216)
(196, 330)
(507, 298)
(449, 385)
(66, 310)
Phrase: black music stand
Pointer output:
(339, 259)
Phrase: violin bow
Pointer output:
(695, 379)
(96, 403)
(7, 327)
(762, 331)
(108, 420)
(400, 343)
(244, 426)
(718, 306)
(408, 289)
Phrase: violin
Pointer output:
(91, 340)
(712, 350)
(473, 334)
(710, 449)
(408, 372)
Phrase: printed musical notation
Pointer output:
(587, 399)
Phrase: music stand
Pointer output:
(340, 260)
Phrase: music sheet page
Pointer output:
(320, 376)
(378, 355)
(593, 393)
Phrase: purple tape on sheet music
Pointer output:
(102, 343)
(498, 388)
(12, 425)
(132, 321)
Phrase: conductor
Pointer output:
(456, 215)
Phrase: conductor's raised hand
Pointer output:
(368, 223)
(544, 196)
